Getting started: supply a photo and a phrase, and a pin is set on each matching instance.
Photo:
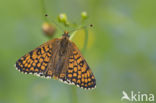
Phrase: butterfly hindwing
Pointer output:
(37, 60)
(79, 73)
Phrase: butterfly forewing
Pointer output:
(37, 60)
(78, 72)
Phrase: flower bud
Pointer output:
(84, 15)
(48, 29)
(63, 19)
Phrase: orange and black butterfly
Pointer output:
(61, 59)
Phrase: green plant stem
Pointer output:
(73, 95)
(85, 41)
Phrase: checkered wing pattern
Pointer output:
(36, 61)
(79, 73)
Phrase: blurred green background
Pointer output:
(122, 55)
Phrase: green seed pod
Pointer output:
(84, 15)
(63, 19)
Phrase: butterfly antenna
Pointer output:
(46, 15)
(79, 28)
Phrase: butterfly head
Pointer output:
(66, 34)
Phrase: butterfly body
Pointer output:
(61, 59)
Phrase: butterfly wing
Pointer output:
(36, 61)
(78, 72)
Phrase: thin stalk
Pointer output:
(85, 41)
(73, 93)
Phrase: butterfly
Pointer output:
(60, 59)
